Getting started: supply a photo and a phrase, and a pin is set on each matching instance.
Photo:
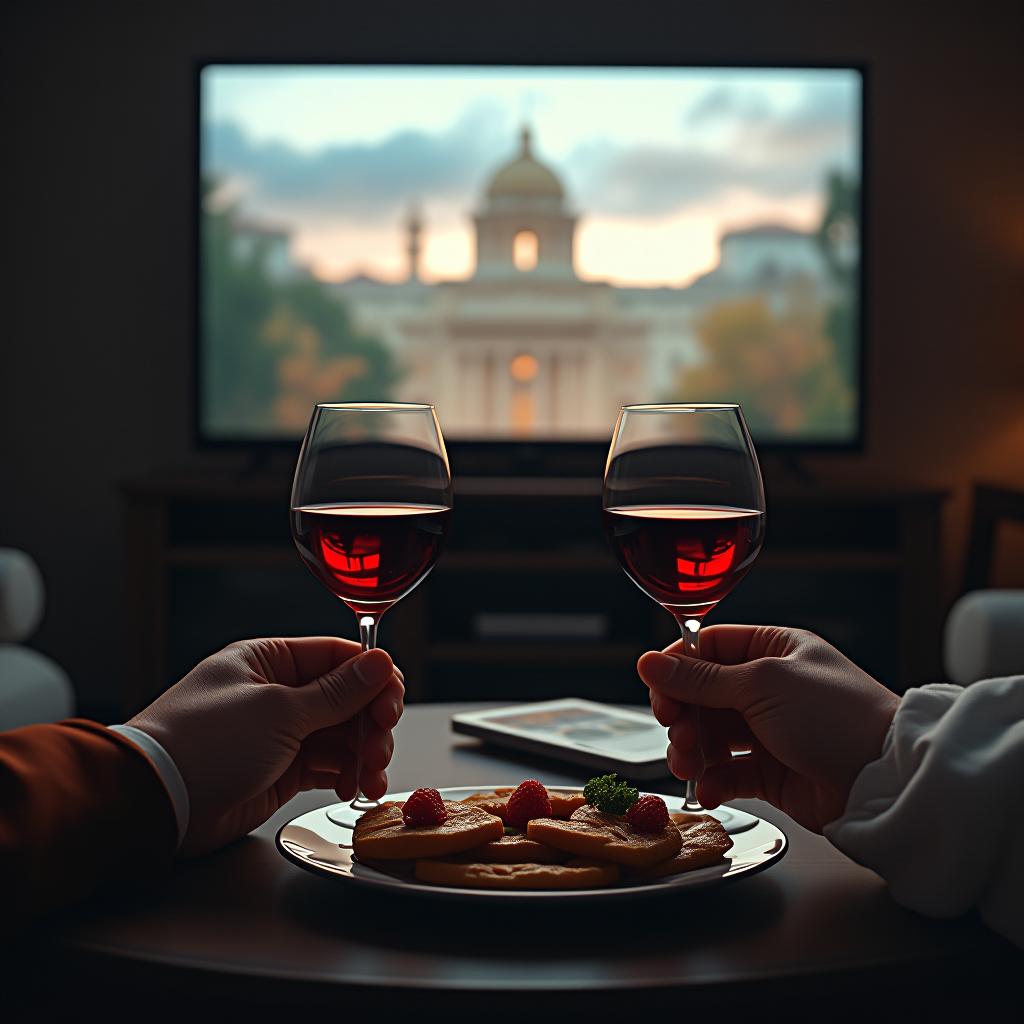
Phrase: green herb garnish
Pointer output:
(610, 794)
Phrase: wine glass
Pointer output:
(370, 506)
(684, 509)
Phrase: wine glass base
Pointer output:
(362, 803)
(346, 815)
(733, 820)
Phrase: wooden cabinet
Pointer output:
(526, 601)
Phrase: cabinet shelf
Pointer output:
(208, 558)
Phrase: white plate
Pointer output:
(318, 844)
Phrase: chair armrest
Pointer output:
(984, 636)
(22, 596)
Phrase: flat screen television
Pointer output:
(529, 248)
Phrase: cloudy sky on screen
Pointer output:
(656, 162)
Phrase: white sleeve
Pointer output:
(940, 815)
(166, 769)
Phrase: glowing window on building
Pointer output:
(523, 368)
(524, 412)
(524, 251)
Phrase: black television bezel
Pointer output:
(534, 457)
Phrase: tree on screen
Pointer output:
(781, 367)
(274, 346)
(838, 239)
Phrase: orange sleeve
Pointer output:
(79, 806)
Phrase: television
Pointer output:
(528, 248)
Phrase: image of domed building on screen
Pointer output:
(523, 348)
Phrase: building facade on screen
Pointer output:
(525, 348)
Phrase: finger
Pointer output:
(388, 705)
(345, 690)
(734, 645)
(319, 780)
(378, 746)
(384, 711)
(722, 733)
(345, 785)
(690, 762)
(666, 710)
(685, 764)
(694, 748)
(331, 749)
(738, 780)
(693, 680)
(683, 732)
(375, 783)
(295, 660)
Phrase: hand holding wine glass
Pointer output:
(370, 506)
(684, 509)
(811, 717)
(290, 706)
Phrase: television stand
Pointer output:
(791, 469)
(210, 559)
(258, 462)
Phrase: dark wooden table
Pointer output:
(247, 928)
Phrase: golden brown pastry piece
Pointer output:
(493, 801)
(514, 849)
(381, 834)
(577, 874)
(562, 804)
(704, 842)
(606, 837)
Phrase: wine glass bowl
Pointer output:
(684, 508)
(370, 506)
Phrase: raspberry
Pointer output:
(648, 814)
(529, 801)
(424, 807)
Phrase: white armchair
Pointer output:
(984, 636)
(33, 688)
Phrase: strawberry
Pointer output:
(529, 801)
(424, 807)
(648, 814)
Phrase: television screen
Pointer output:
(528, 248)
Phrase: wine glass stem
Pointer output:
(368, 639)
(691, 646)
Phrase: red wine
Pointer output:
(686, 558)
(370, 555)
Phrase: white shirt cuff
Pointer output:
(166, 769)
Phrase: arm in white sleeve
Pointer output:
(940, 815)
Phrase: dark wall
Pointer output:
(98, 164)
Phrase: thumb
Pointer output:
(692, 681)
(343, 692)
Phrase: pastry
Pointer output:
(576, 874)
(515, 848)
(382, 834)
(496, 801)
(606, 837)
(704, 842)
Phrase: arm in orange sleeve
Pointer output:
(80, 805)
